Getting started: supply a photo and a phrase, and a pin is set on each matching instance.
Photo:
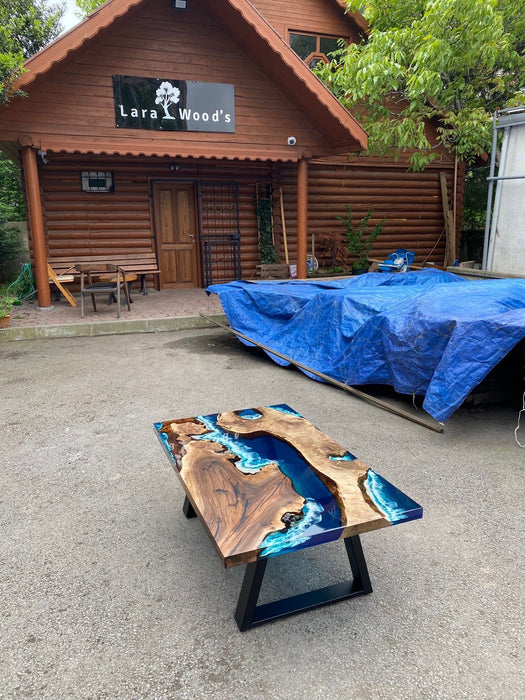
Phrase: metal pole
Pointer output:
(491, 189)
(497, 199)
(507, 177)
(355, 392)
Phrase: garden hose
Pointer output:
(24, 286)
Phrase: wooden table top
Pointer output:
(265, 481)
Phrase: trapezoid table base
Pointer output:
(248, 614)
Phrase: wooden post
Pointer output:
(283, 222)
(450, 224)
(302, 217)
(34, 206)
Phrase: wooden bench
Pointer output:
(270, 272)
(139, 263)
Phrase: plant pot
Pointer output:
(5, 321)
(359, 270)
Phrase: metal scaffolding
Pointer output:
(504, 120)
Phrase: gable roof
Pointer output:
(74, 39)
(254, 35)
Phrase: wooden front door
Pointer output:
(177, 239)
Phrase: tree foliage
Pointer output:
(11, 209)
(25, 27)
(12, 206)
(263, 210)
(87, 6)
(450, 61)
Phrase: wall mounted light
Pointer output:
(180, 4)
(43, 155)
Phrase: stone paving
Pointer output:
(108, 592)
(164, 310)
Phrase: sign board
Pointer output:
(173, 105)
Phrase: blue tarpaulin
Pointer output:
(428, 333)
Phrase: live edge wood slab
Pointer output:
(265, 482)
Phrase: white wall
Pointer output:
(509, 241)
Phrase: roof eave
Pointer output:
(74, 39)
(332, 118)
(247, 26)
(354, 16)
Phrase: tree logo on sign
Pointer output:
(167, 95)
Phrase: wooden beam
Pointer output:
(34, 206)
(302, 217)
(450, 224)
(283, 222)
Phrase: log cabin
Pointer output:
(159, 128)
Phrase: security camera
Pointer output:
(292, 140)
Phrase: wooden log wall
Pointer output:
(96, 223)
(157, 41)
(410, 202)
(83, 223)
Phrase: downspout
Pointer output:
(34, 206)
(302, 217)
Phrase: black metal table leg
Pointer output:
(251, 586)
(188, 509)
(358, 565)
(248, 614)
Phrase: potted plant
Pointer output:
(359, 240)
(6, 302)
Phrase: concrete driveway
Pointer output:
(108, 591)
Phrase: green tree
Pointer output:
(452, 62)
(11, 209)
(87, 6)
(25, 27)
(12, 206)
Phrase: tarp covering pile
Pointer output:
(428, 333)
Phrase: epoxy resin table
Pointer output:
(265, 482)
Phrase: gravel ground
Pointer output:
(108, 591)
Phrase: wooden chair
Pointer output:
(57, 281)
(92, 282)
